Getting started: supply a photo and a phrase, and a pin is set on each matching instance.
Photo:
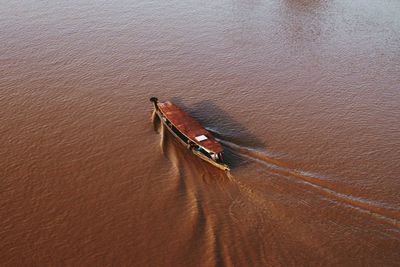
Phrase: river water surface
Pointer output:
(303, 95)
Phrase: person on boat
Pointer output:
(217, 157)
(190, 145)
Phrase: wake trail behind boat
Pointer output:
(378, 210)
(229, 208)
(156, 121)
(199, 189)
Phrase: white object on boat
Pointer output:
(201, 138)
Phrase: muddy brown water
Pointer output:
(303, 95)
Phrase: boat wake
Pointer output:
(156, 121)
(319, 184)
(378, 210)
(263, 204)
(198, 189)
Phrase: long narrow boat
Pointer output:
(190, 133)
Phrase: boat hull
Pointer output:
(162, 117)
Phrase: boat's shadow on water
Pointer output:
(231, 133)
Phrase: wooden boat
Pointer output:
(190, 133)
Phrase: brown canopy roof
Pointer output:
(189, 126)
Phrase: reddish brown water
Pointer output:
(304, 96)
